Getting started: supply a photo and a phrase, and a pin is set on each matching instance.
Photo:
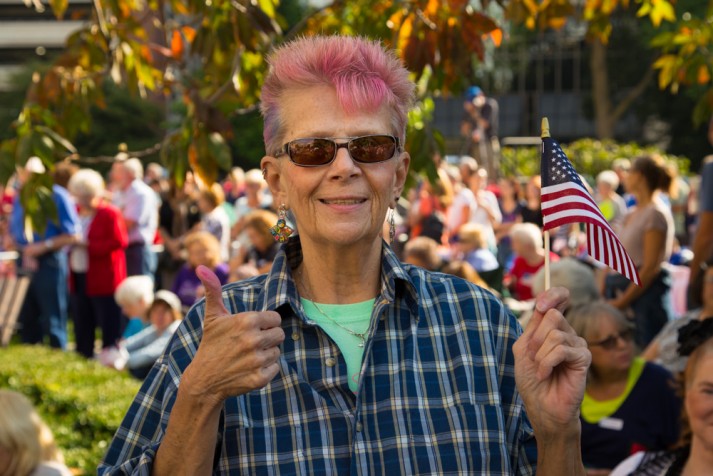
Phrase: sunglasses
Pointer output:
(316, 151)
(610, 342)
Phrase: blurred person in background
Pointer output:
(139, 207)
(258, 256)
(647, 233)
(214, 219)
(693, 453)
(532, 211)
(256, 197)
(27, 446)
(139, 352)
(458, 213)
(629, 404)
(529, 254)
(486, 211)
(134, 295)
(663, 350)
(610, 203)
(234, 185)
(44, 310)
(423, 251)
(511, 205)
(202, 248)
(97, 262)
(472, 247)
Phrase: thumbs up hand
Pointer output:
(239, 353)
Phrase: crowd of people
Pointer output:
(360, 316)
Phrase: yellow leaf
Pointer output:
(703, 74)
(662, 10)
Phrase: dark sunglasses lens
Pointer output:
(311, 151)
(370, 149)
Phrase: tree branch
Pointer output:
(633, 94)
(109, 159)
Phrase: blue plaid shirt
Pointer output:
(436, 396)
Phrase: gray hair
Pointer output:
(134, 289)
(585, 319)
(134, 167)
(608, 177)
(527, 233)
(572, 274)
(86, 184)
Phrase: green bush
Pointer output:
(588, 156)
(81, 401)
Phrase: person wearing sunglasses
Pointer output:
(629, 404)
(341, 359)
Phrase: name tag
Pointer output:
(615, 424)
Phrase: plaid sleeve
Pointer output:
(135, 443)
(520, 435)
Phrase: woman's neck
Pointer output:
(602, 380)
(700, 461)
(339, 275)
(644, 197)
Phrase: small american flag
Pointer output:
(565, 200)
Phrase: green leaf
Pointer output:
(58, 139)
(220, 151)
(7, 160)
(59, 7)
(43, 147)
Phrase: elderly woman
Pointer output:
(693, 453)
(629, 403)
(341, 359)
(97, 263)
(647, 234)
(263, 248)
(202, 249)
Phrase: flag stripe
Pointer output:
(566, 200)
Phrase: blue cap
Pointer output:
(472, 92)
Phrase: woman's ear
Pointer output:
(272, 173)
(401, 174)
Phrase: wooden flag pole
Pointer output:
(546, 133)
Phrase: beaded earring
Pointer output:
(281, 232)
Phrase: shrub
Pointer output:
(588, 156)
(81, 401)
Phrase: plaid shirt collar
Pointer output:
(280, 288)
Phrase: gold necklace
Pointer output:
(360, 335)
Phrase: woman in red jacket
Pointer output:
(97, 262)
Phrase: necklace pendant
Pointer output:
(361, 344)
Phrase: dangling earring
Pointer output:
(281, 232)
(392, 227)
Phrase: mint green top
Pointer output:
(356, 317)
(594, 410)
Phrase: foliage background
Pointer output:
(81, 401)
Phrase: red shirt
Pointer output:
(521, 276)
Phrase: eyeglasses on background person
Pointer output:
(611, 342)
(316, 151)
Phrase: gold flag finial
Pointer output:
(545, 128)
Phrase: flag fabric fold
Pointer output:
(566, 200)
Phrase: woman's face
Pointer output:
(612, 346)
(344, 202)
(198, 254)
(257, 239)
(699, 401)
(160, 315)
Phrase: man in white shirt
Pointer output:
(139, 207)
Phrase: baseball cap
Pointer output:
(472, 92)
(169, 298)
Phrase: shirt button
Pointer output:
(295, 336)
(358, 426)
(330, 362)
